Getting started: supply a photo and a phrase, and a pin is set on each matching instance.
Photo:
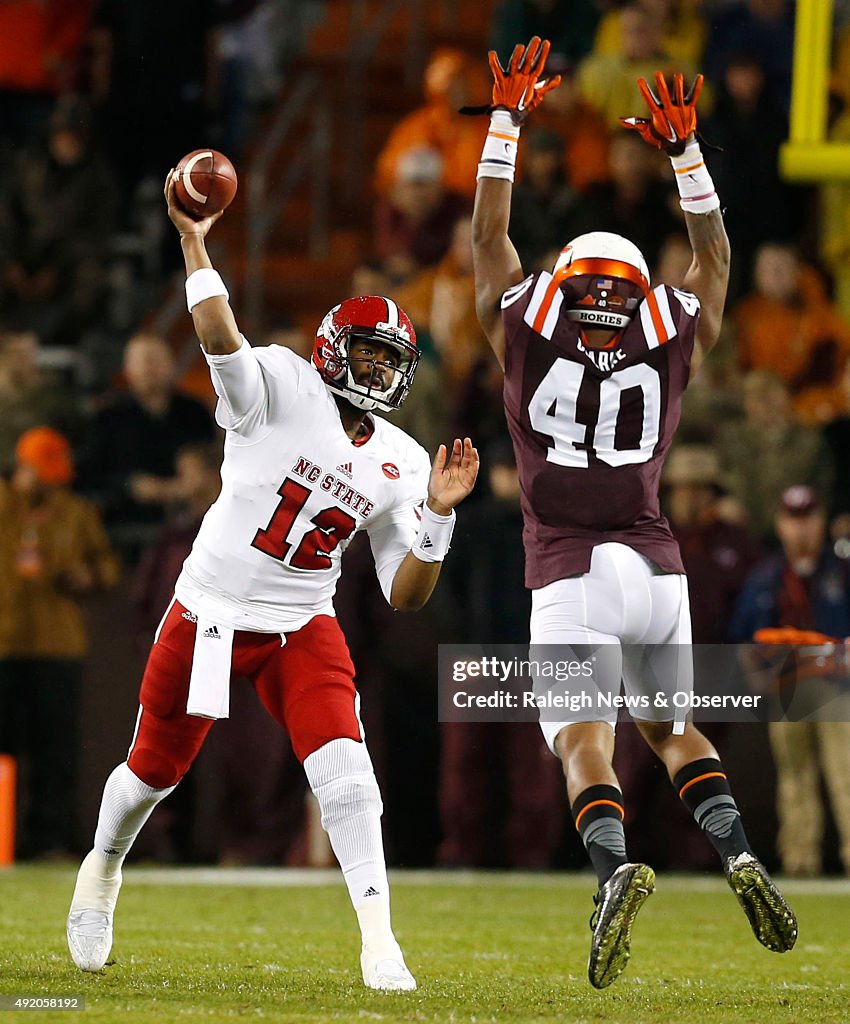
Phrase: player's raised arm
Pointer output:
(671, 126)
(205, 292)
(516, 92)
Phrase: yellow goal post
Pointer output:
(809, 155)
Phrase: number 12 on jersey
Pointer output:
(554, 412)
(332, 526)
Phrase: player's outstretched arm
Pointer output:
(671, 126)
(452, 478)
(516, 92)
(215, 324)
(494, 258)
(708, 274)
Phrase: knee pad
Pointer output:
(163, 749)
(343, 780)
(154, 769)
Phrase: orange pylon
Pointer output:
(8, 772)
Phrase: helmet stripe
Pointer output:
(392, 313)
(603, 267)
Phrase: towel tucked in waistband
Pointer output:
(209, 684)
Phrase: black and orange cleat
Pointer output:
(771, 919)
(617, 904)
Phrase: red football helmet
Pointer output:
(604, 277)
(369, 318)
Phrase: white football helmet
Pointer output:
(604, 277)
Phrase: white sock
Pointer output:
(97, 885)
(126, 805)
(342, 778)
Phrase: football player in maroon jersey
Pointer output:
(596, 361)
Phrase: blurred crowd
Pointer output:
(106, 475)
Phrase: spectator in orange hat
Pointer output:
(450, 83)
(53, 552)
(45, 454)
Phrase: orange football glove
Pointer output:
(672, 119)
(518, 88)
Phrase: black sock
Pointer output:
(703, 788)
(598, 814)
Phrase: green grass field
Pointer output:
(198, 946)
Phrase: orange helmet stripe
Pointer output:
(600, 266)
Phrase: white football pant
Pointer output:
(607, 615)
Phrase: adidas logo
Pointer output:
(345, 467)
(190, 616)
(212, 633)
(426, 542)
(111, 851)
(371, 891)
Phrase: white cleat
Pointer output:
(388, 974)
(89, 927)
(89, 938)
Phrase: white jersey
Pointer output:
(295, 489)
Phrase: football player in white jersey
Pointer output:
(306, 465)
(596, 362)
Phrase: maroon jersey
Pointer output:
(591, 427)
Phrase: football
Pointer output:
(204, 183)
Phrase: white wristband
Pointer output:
(204, 284)
(434, 537)
(696, 188)
(498, 159)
